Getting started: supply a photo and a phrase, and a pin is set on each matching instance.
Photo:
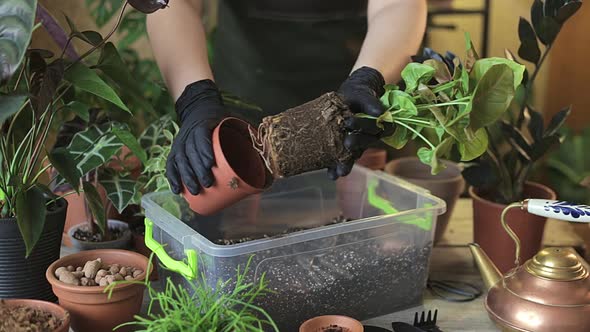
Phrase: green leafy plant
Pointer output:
(568, 167)
(38, 88)
(521, 139)
(455, 100)
(227, 307)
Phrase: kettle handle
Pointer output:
(558, 210)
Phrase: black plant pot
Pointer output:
(25, 278)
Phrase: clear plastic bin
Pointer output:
(373, 265)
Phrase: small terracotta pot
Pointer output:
(493, 239)
(90, 307)
(447, 185)
(320, 323)
(238, 172)
(373, 158)
(52, 308)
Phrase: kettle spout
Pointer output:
(489, 272)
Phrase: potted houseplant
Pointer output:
(33, 315)
(37, 88)
(196, 306)
(80, 280)
(518, 142)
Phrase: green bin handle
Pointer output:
(188, 270)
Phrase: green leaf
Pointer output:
(567, 11)
(427, 94)
(81, 110)
(113, 66)
(120, 190)
(471, 149)
(131, 142)
(548, 30)
(17, 18)
(399, 138)
(442, 73)
(94, 147)
(406, 105)
(416, 73)
(95, 204)
(9, 105)
(482, 66)
(441, 151)
(30, 216)
(425, 155)
(385, 117)
(529, 48)
(92, 37)
(557, 121)
(86, 79)
(492, 96)
(472, 55)
(155, 134)
(65, 164)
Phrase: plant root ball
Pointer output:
(305, 138)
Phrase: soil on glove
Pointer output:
(26, 319)
(305, 138)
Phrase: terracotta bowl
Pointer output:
(323, 323)
(45, 306)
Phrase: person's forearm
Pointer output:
(395, 32)
(178, 40)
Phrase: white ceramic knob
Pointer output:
(559, 210)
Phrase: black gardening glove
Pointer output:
(199, 110)
(361, 92)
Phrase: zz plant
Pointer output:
(521, 139)
(38, 88)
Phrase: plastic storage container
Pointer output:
(373, 265)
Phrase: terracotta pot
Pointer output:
(238, 172)
(447, 185)
(373, 158)
(320, 323)
(493, 239)
(122, 242)
(90, 307)
(52, 308)
(126, 161)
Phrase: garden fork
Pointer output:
(427, 322)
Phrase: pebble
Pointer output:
(70, 268)
(96, 273)
(59, 270)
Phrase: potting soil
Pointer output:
(25, 319)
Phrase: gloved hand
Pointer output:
(361, 92)
(199, 110)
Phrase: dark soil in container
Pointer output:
(85, 235)
(25, 319)
(224, 241)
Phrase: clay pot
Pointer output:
(90, 307)
(238, 172)
(493, 239)
(447, 184)
(373, 158)
(52, 308)
(319, 323)
(122, 242)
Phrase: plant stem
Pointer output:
(455, 102)
(417, 134)
(104, 40)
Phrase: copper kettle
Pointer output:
(548, 293)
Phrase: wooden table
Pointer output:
(452, 260)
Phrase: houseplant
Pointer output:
(568, 167)
(37, 88)
(518, 142)
(33, 315)
(228, 307)
(90, 307)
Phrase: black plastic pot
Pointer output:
(25, 278)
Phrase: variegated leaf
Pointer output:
(154, 134)
(94, 147)
(120, 190)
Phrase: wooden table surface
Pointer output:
(452, 260)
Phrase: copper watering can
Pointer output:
(548, 293)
